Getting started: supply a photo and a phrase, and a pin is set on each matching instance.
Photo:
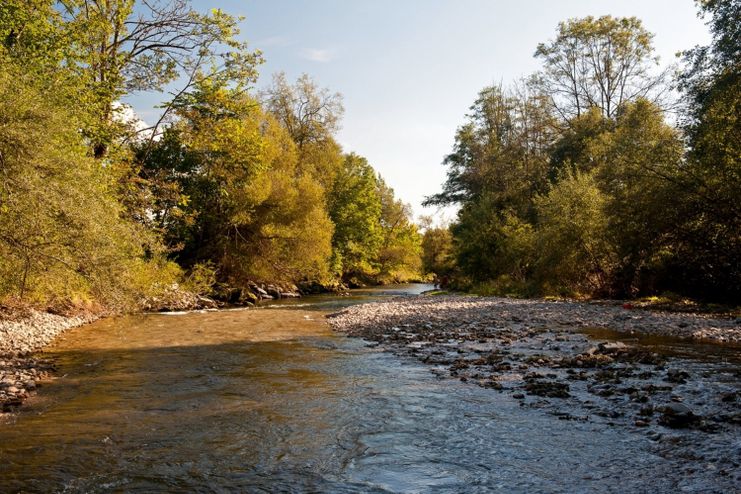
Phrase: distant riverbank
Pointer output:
(443, 311)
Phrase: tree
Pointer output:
(310, 114)
(500, 151)
(312, 117)
(399, 257)
(574, 252)
(118, 47)
(639, 177)
(355, 210)
(580, 146)
(711, 177)
(437, 251)
(62, 237)
(499, 164)
(249, 209)
(598, 63)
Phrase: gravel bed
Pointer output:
(20, 372)
(579, 361)
(481, 312)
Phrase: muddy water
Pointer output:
(271, 401)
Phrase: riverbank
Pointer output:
(22, 332)
(445, 311)
(579, 361)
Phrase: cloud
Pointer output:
(318, 55)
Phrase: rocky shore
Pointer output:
(176, 299)
(451, 312)
(596, 362)
(21, 334)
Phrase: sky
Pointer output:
(409, 70)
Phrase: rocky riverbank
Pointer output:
(578, 361)
(23, 332)
(174, 298)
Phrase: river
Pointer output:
(270, 400)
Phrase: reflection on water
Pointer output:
(331, 303)
(272, 401)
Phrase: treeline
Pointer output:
(574, 181)
(231, 186)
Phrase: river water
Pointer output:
(270, 400)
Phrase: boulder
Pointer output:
(677, 415)
(248, 298)
(206, 303)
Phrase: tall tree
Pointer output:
(598, 62)
(711, 178)
(117, 47)
(248, 208)
(355, 210)
(62, 235)
(311, 115)
(399, 257)
(501, 151)
(437, 251)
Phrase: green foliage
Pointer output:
(242, 202)
(437, 252)
(61, 234)
(709, 240)
(577, 185)
(355, 209)
(399, 257)
(499, 151)
(111, 48)
(574, 253)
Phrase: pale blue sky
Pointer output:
(409, 69)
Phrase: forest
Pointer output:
(232, 185)
(599, 175)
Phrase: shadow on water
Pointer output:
(331, 302)
(319, 413)
(672, 346)
(272, 401)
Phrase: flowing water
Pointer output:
(269, 400)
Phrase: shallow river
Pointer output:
(269, 400)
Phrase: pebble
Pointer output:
(510, 342)
(432, 313)
(20, 336)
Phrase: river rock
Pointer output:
(677, 415)
(206, 303)
(677, 376)
(248, 297)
